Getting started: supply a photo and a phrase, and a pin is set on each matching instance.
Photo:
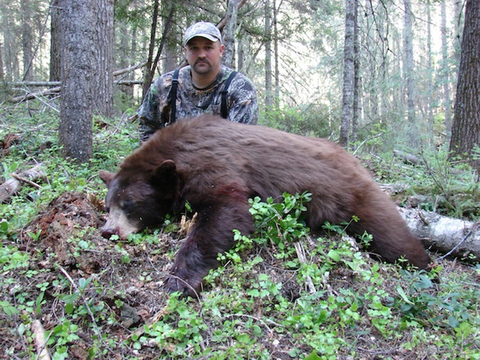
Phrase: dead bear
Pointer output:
(216, 166)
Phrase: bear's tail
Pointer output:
(392, 239)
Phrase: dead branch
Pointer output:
(29, 96)
(129, 69)
(13, 185)
(55, 86)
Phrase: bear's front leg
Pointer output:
(212, 234)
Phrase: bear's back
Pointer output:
(212, 152)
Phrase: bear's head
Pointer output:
(138, 199)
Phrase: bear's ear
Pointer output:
(165, 174)
(106, 177)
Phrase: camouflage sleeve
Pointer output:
(150, 113)
(243, 101)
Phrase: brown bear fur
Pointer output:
(216, 166)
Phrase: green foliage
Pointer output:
(263, 301)
(443, 184)
(280, 222)
(307, 120)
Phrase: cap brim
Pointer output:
(206, 36)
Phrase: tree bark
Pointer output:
(150, 67)
(430, 71)
(276, 54)
(55, 39)
(27, 38)
(466, 118)
(356, 81)
(408, 74)
(103, 59)
(348, 72)
(152, 62)
(229, 34)
(173, 53)
(268, 56)
(2, 73)
(78, 52)
(445, 72)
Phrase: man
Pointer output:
(199, 87)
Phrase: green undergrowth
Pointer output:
(246, 313)
(436, 182)
(280, 294)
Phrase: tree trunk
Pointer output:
(373, 37)
(430, 72)
(103, 71)
(268, 57)
(55, 39)
(78, 59)
(10, 31)
(241, 51)
(276, 54)
(457, 22)
(466, 118)
(173, 53)
(149, 70)
(123, 35)
(445, 72)
(348, 72)
(2, 74)
(152, 62)
(27, 38)
(356, 83)
(408, 74)
(229, 34)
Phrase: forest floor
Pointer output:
(94, 296)
(68, 293)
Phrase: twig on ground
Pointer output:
(301, 257)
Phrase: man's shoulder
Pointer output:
(239, 81)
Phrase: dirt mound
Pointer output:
(65, 218)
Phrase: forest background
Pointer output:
(347, 71)
(380, 77)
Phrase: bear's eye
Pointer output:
(127, 205)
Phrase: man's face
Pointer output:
(203, 55)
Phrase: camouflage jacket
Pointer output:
(154, 113)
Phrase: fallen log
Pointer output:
(451, 237)
(408, 158)
(14, 184)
